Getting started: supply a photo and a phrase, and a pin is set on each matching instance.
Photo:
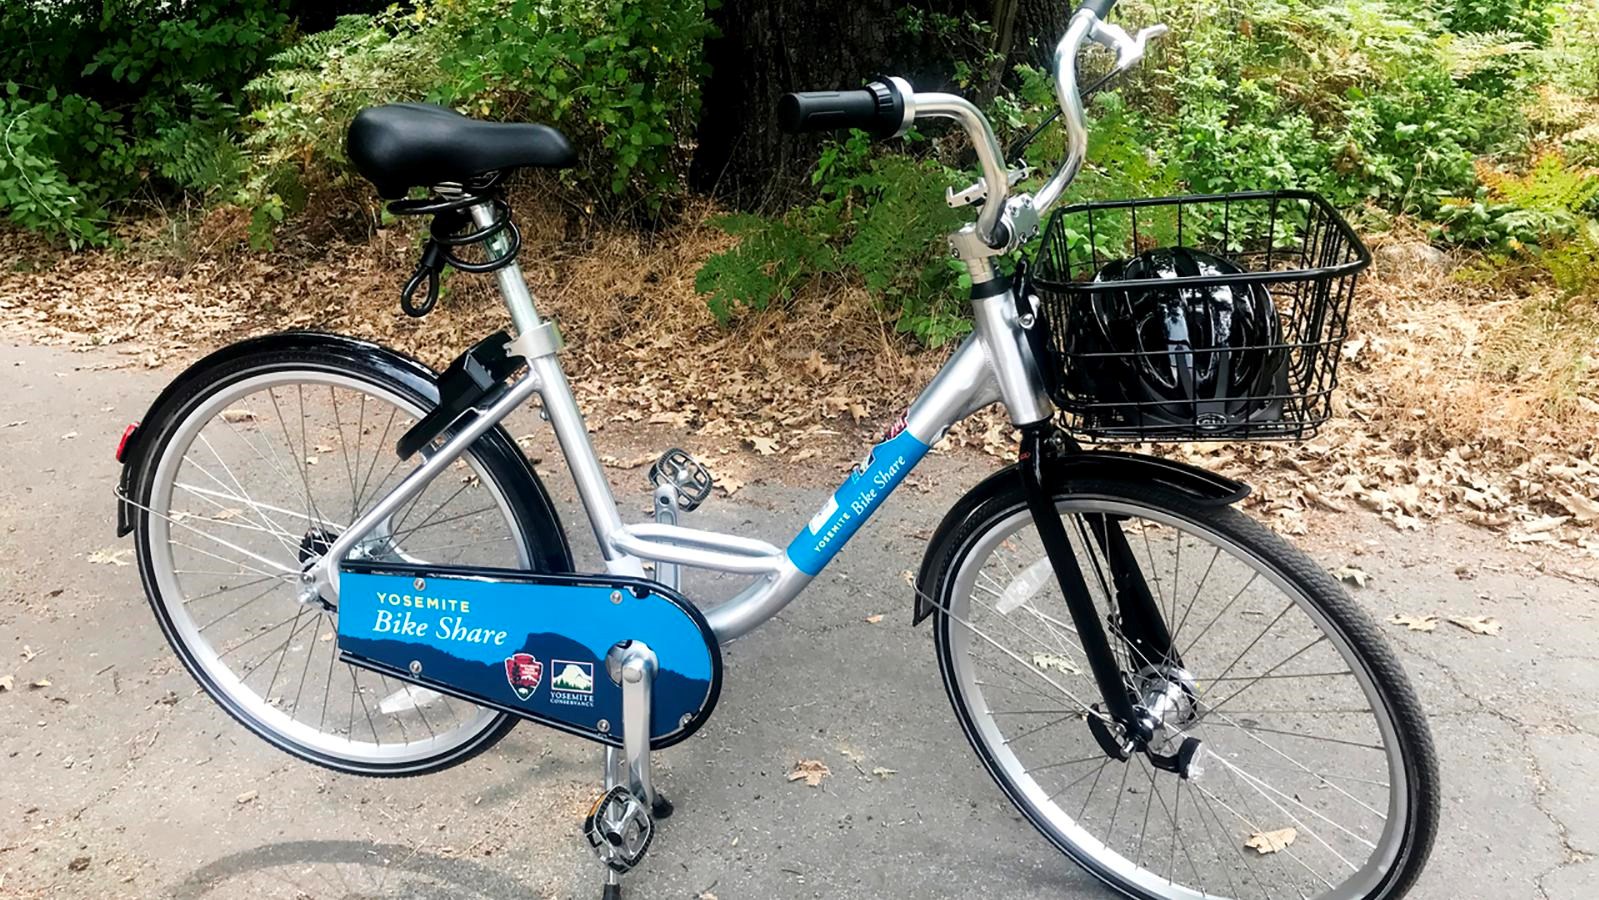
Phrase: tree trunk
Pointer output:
(1035, 30)
(769, 47)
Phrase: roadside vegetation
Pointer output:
(202, 140)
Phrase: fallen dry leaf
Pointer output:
(632, 463)
(235, 416)
(246, 797)
(38, 683)
(69, 435)
(1584, 509)
(1546, 523)
(79, 863)
(1047, 661)
(112, 557)
(1352, 574)
(1264, 842)
(8, 682)
(874, 619)
(679, 419)
(1414, 623)
(1478, 624)
(817, 366)
(812, 771)
(765, 446)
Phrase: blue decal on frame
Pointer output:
(855, 501)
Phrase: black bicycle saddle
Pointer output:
(404, 145)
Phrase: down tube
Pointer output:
(964, 385)
(855, 501)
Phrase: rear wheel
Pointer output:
(1316, 773)
(263, 461)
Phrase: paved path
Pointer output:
(119, 780)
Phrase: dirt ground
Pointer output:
(120, 779)
(1460, 479)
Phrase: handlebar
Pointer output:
(878, 109)
(886, 108)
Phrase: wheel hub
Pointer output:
(1169, 704)
(1166, 703)
(314, 545)
(1169, 698)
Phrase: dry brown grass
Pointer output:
(1461, 397)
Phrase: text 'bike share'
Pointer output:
(355, 560)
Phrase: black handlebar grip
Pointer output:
(878, 109)
(1100, 8)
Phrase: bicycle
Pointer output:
(1082, 663)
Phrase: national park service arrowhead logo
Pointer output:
(523, 672)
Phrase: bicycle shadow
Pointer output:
(344, 869)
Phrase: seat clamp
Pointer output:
(543, 340)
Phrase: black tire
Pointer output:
(495, 455)
(953, 546)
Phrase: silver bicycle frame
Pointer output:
(993, 364)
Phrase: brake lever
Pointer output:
(1129, 49)
(978, 192)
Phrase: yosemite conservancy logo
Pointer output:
(523, 672)
(573, 683)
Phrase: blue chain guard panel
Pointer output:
(531, 645)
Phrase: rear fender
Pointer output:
(140, 444)
(1204, 487)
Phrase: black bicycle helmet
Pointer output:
(1206, 358)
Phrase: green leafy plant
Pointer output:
(880, 221)
(57, 160)
(310, 92)
(1543, 206)
(620, 77)
(773, 258)
(110, 102)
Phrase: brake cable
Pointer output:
(1087, 94)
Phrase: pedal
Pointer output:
(691, 481)
(619, 827)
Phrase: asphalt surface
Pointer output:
(119, 779)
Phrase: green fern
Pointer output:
(1550, 185)
(771, 261)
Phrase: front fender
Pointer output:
(1204, 487)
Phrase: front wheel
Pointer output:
(1315, 774)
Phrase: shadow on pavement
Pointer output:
(349, 870)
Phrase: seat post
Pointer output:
(513, 286)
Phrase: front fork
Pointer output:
(1141, 624)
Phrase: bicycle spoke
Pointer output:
(1278, 664)
(234, 592)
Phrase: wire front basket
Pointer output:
(1206, 318)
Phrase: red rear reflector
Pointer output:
(122, 445)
